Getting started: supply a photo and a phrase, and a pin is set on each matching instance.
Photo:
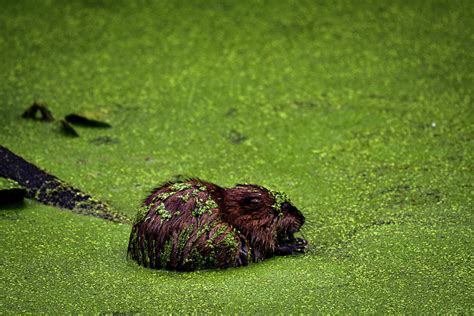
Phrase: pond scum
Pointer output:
(361, 110)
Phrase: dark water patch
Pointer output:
(124, 108)
(217, 6)
(235, 137)
(404, 194)
(310, 28)
(307, 104)
(341, 247)
(380, 171)
(374, 137)
(11, 212)
(117, 313)
(404, 98)
(374, 224)
(322, 103)
(397, 188)
(377, 96)
(231, 112)
(426, 125)
(105, 140)
(97, 4)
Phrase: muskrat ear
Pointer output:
(251, 202)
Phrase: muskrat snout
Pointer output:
(298, 217)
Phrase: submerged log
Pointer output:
(50, 190)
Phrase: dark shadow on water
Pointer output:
(11, 196)
(11, 211)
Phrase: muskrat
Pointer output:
(185, 225)
(195, 224)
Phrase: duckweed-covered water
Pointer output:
(360, 111)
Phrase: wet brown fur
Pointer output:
(175, 232)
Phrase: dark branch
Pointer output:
(50, 190)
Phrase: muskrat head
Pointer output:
(266, 218)
(290, 221)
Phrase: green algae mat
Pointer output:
(361, 111)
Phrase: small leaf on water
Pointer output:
(67, 129)
(82, 120)
(34, 109)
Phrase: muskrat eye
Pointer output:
(288, 208)
(285, 205)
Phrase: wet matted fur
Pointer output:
(195, 224)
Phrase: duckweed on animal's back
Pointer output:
(360, 111)
(225, 227)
